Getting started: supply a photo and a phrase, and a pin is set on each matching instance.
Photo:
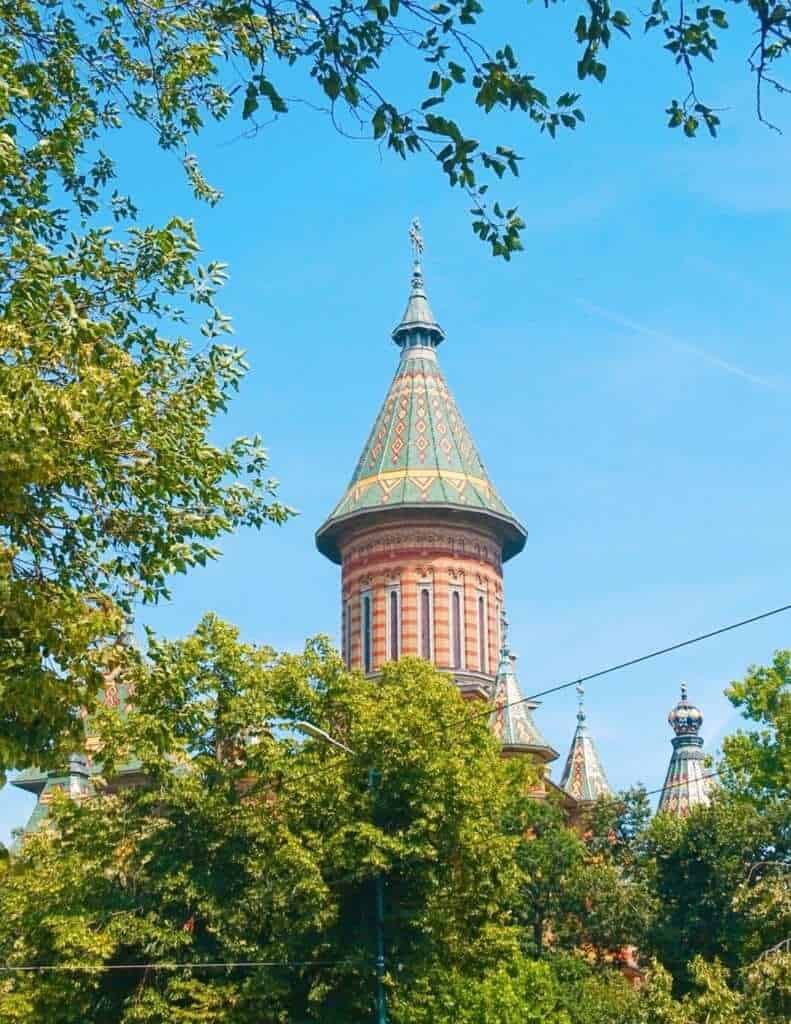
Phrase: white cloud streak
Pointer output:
(683, 346)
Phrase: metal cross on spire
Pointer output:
(416, 239)
(580, 701)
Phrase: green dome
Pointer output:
(420, 455)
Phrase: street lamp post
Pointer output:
(379, 899)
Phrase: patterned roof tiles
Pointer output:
(688, 780)
(584, 777)
(420, 453)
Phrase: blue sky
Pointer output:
(626, 378)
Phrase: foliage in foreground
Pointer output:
(253, 844)
(109, 482)
(177, 66)
(265, 849)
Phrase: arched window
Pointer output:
(455, 627)
(347, 633)
(425, 624)
(366, 630)
(394, 631)
(482, 633)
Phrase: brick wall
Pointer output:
(408, 556)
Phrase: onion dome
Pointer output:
(688, 781)
(685, 719)
(512, 719)
(420, 456)
(584, 777)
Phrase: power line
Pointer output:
(647, 657)
(684, 782)
(467, 718)
(176, 966)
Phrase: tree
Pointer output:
(109, 482)
(519, 991)
(721, 875)
(250, 844)
(697, 865)
(174, 66)
(756, 769)
(578, 887)
(757, 764)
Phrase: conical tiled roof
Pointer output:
(512, 720)
(688, 780)
(420, 454)
(584, 777)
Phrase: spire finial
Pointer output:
(580, 702)
(418, 328)
(416, 239)
(685, 719)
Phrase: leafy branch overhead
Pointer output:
(175, 65)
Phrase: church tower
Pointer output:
(421, 533)
(687, 782)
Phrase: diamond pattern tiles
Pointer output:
(419, 451)
(688, 781)
(584, 777)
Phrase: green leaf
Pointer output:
(250, 101)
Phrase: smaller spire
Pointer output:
(687, 782)
(418, 326)
(584, 777)
(512, 719)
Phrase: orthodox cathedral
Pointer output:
(421, 535)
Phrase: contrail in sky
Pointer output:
(682, 346)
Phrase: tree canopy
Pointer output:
(251, 844)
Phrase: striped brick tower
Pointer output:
(420, 533)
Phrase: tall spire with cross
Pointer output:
(420, 454)
(584, 777)
(418, 326)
